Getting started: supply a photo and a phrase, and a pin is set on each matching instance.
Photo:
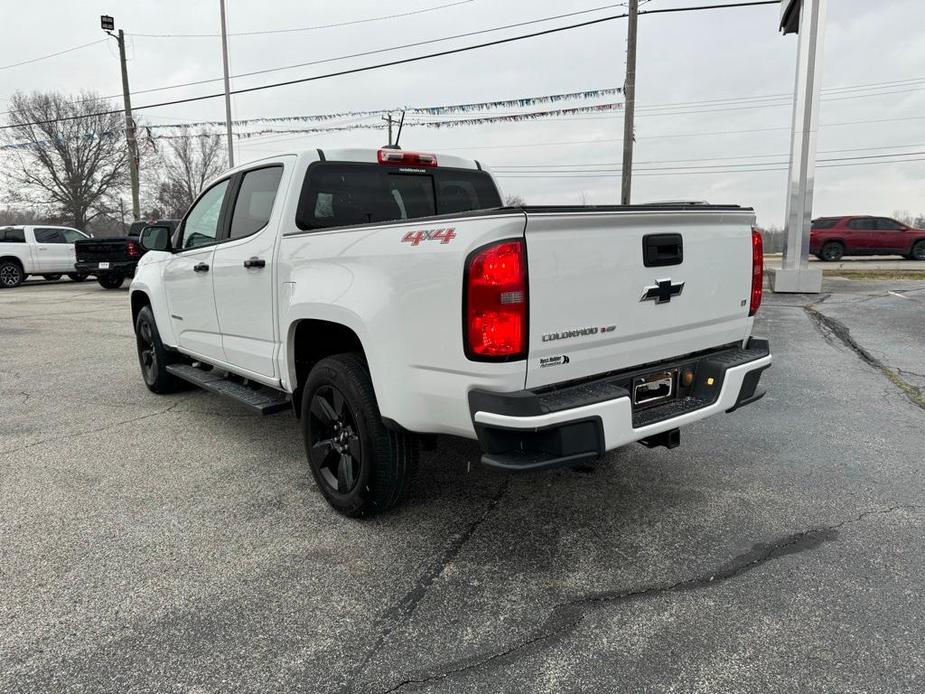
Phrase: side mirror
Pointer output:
(155, 238)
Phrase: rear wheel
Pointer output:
(918, 251)
(76, 276)
(361, 467)
(832, 251)
(11, 274)
(153, 357)
(52, 278)
(110, 280)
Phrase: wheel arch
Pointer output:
(139, 300)
(15, 259)
(310, 341)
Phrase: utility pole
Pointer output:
(629, 98)
(227, 91)
(390, 122)
(108, 24)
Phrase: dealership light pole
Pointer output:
(107, 24)
(227, 92)
(806, 18)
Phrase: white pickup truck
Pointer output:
(37, 250)
(387, 296)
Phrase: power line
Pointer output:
(309, 28)
(404, 61)
(52, 55)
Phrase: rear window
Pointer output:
(824, 223)
(12, 236)
(342, 194)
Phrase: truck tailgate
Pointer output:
(595, 307)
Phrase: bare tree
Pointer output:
(514, 201)
(65, 157)
(189, 161)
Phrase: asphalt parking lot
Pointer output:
(177, 544)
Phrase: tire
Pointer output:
(832, 252)
(52, 278)
(361, 467)
(11, 274)
(918, 251)
(76, 276)
(153, 357)
(110, 280)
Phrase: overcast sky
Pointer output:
(685, 57)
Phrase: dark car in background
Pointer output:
(113, 260)
(832, 238)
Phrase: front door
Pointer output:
(188, 277)
(243, 273)
(892, 236)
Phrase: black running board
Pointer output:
(264, 400)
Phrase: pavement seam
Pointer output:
(75, 435)
(566, 616)
(401, 612)
(830, 326)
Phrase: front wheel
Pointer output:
(918, 251)
(52, 278)
(361, 467)
(153, 357)
(11, 274)
(76, 276)
(110, 280)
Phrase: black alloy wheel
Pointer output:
(918, 251)
(147, 354)
(11, 275)
(336, 449)
(832, 252)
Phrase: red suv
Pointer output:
(834, 237)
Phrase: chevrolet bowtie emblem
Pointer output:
(662, 291)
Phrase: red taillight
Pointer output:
(399, 158)
(757, 272)
(132, 250)
(496, 302)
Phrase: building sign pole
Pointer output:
(796, 275)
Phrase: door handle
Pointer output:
(201, 267)
(255, 262)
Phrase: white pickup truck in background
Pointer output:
(37, 250)
(387, 296)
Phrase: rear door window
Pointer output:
(824, 223)
(12, 236)
(72, 235)
(254, 203)
(861, 224)
(343, 194)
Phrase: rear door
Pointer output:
(600, 302)
(863, 236)
(54, 253)
(188, 275)
(243, 271)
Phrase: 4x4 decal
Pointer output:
(444, 236)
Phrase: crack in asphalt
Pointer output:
(401, 611)
(77, 434)
(831, 327)
(566, 616)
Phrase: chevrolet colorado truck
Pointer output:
(387, 296)
(37, 250)
(112, 260)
